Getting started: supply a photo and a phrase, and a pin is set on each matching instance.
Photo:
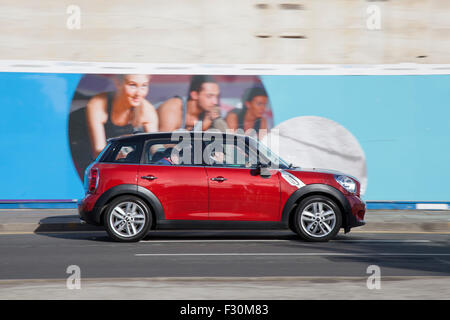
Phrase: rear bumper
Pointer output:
(87, 211)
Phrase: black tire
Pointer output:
(306, 216)
(141, 226)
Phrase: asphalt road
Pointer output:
(222, 254)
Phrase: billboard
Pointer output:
(391, 131)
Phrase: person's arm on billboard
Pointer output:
(170, 115)
(215, 120)
(96, 116)
(149, 117)
(232, 121)
(209, 118)
(263, 129)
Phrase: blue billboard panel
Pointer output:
(390, 131)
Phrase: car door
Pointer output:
(182, 188)
(237, 191)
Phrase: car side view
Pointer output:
(212, 180)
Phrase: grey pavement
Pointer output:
(47, 220)
(266, 253)
(227, 265)
(289, 288)
(41, 220)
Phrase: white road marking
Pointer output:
(401, 231)
(209, 241)
(386, 241)
(318, 254)
(283, 240)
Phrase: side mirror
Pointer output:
(264, 170)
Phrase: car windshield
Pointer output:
(274, 159)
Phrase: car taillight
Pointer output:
(93, 180)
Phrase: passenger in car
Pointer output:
(169, 156)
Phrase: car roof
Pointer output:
(165, 135)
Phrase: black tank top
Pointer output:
(111, 130)
(80, 145)
(241, 115)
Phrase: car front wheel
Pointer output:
(317, 218)
(127, 219)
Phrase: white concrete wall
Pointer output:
(227, 31)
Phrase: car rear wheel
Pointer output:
(317, 218)
(127, 219)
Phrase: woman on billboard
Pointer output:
(106, 106)
(111, 114)
(250, 118)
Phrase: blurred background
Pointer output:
(393, 111)
(233, 31)
(361, 86)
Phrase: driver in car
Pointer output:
(171, 157)
(218, 157)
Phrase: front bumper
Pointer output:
(358, 211)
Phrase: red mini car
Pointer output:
(212, 180)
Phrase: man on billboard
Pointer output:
(199, 112)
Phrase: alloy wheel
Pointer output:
(318, 219)
(127, 219)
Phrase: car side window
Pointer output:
(229, 154)
(124, 153)
(166, 152)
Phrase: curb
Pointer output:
(47, 227)
(404, 227)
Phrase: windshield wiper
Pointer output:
(291, 166)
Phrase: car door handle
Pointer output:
(220, 179)
(149, 177)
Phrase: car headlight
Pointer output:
(347, 183)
